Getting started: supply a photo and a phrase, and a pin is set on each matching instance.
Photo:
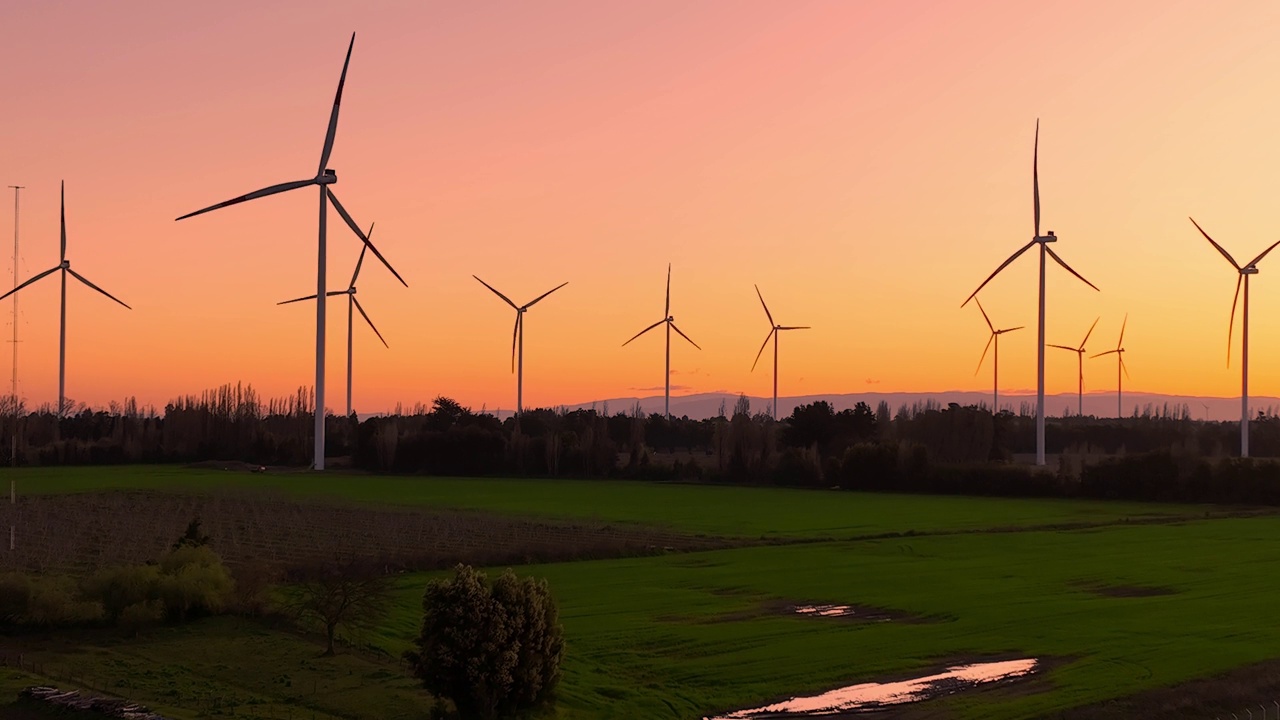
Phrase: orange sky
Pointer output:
(868, 164)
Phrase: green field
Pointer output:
(681, 635)
(715, 510)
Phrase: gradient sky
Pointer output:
(868, 164)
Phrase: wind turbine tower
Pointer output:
(670, 322)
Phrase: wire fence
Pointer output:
(1263, 712)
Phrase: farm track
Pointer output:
(84, 531)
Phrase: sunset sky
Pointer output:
(867, 164)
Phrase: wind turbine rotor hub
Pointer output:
(328, 177)
(671, 318)
(351, 290)
(65, 264)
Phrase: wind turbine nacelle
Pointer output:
(65, 264)
(1251, 270)
(1050, 237)
(328, 177)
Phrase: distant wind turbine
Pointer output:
(1079, 351)
(1244, 272)
(323, 179)
(63, 265)
(517, 339)
(1119, 353)
(1043, 241)
(671, 325)
(352, 305)
(775, 330)
(994, 338)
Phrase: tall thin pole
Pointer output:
(350, 310)
(520, 364)
(995, 380)
(1080, 362)
(1244, 376)
(62, 354)
(775, 373)
(13, 392)
(320, 317)
(666, 406)
(1040, 369)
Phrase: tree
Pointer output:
(192, 536)
(350, 595)
(493, 649)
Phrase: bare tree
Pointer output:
(348, 595)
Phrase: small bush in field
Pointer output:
(193, 582)
(121, 587)
(55, 602)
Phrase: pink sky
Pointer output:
(868, 164)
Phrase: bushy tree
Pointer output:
(493, 649)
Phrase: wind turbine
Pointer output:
(63, 265)
(323, 179)
(352, 305)
(517, 338)
(994, 338)
(1079, 351)
(1244, 272)
(1119, 353)
(773, 333)
(1043, 241)
(671, 325)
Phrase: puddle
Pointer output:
(824, 610)
(878, 696)
(861, 613)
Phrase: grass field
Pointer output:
(685, 634)
(714, 510)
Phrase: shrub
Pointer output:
(118, 588)
(494, 650)
(193, 582)
(54, 603)
(15, 597)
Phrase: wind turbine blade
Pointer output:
(1086, 335)
(1231, 326)
(282, 187)
(360, 234)
(794, 327)
(1120, 342)
(365, 315)
(1225, 254)
(644, 331)
(37, 277)
(1062, 347)
(531, 302)
(991, 327)
(62, 220)
(495, 292)
(301, 299)
(666, 312)
(762, 347)
(1035, 176)
(1006, 330)
(990, 339)
(360, 261)
(82, 279)
(1109, 352)
(1067, 267)
(686, 337)
(1003, 265)
(1264, 254)
(1123, 367)
(515, 332)
(766, 307)
(333, 115)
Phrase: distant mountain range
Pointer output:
(1100, 404)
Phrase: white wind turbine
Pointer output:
(1079, 351)
(774, 331)
(995, 372)
(1244, 272)
(517, 339)
(323, 179)
(1119, 353)
(671, 325)
(1043, 241)
(65, 266)
(352, 306)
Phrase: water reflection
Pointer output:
(870, 696)
(825, 610)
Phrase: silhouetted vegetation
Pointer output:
(924, 447)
